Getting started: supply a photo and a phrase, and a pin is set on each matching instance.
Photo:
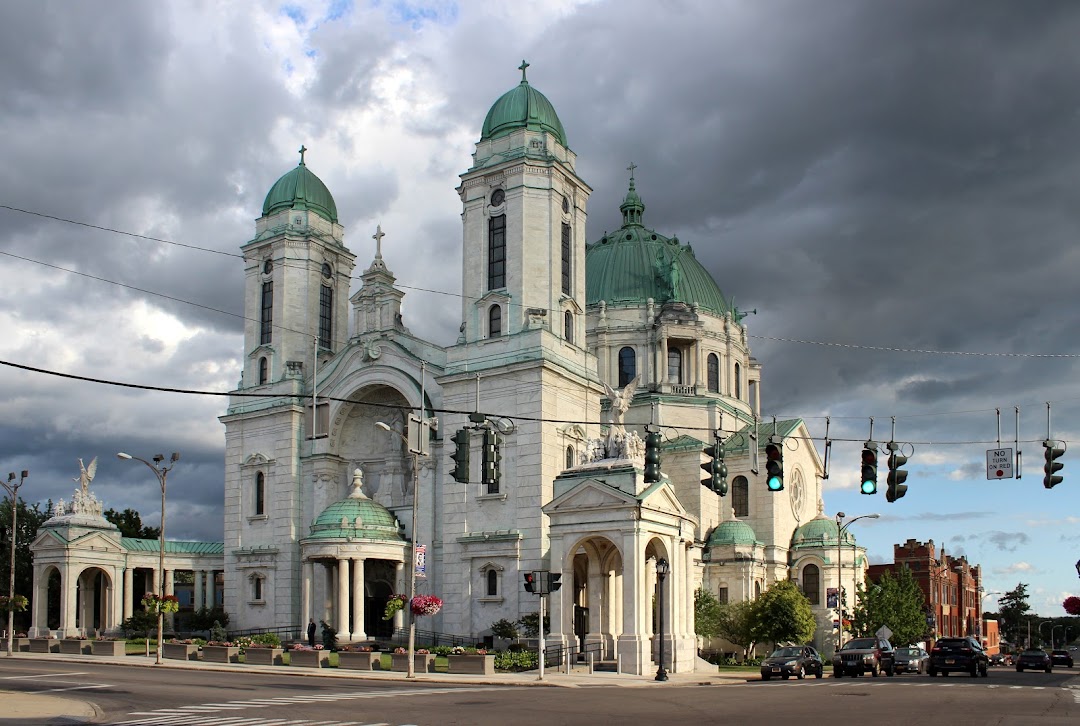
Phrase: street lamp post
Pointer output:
(13, 489)
(662, 570)
(841, 527)
(982, 596)
(1045, 622)
(162, 473)
(1053, 641)
(411, 669)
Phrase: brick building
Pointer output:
(951, 586)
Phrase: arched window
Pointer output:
(740, 496)
(497, 252)
(714, 373)
(266, 321)
(492, 583)
(494, 321)
(569, 457)
(326, 317)
(568, 326)
(627, 365)
(257, 588)
(738, 382)
(811, 584)
(674, 365)
(264, 370)
(757, 589)
(565, 258)
(260, 494)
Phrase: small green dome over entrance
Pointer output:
(819, 532)
(519, 108)
(733, 532)
(301, 189)
(356, 517)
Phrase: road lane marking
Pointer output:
(42, 675)
(74, 688)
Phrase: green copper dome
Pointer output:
(819, 532)
(634, 263)
(733, 532)
(519, 108)
(356, 517)
(301, 189)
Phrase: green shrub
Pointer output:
(218, 633)
(516, 660)
(442, 650)
(270, 639)
(504, 628)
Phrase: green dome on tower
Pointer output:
(301, 189)
(634, 263)
(819, 532)
(356, 517)
(733, 532)
(519, 108)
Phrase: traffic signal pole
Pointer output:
(543, 599)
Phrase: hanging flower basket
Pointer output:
(395, 603)
(425, 605)
(13, 603)
(165, 604)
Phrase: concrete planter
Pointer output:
(109, 647)
(422, 662)
(310, 658)
(75, 647)
(179, 651)
(44, 645)
(472, 664)
(263, 656)
(359, 661)
(20, 645)
(221, 654)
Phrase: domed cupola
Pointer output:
(301, 189)
(357, 517)
(522, 107)
(733, 532)
(821, 531)
(633, 264)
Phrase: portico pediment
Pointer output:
(590, 494)
(661, 497)
(96, 541)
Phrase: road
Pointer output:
(135, 696)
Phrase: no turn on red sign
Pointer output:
(999, 464)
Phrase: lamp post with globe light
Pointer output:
(13, 489)
(842, 527)
(662, 570)
(161, 472)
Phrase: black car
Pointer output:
(910, 660)
(792, 660)
(958, 654)
(863, 655)
(1034, 659)
(1061, 658)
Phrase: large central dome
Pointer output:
(520, 108)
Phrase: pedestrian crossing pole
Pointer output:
(543, 599)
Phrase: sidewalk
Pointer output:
(40, 708)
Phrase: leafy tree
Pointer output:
(130, 524)
(707, 613)
(139, 622)
(895, 602)
(1072, 605)
(29, 520)
(204, 618)
(1013, 608)
(736, 625)
(506, 629)
(530, 624)
(783, 614)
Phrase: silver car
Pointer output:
(911, 660)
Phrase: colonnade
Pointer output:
(343, 593)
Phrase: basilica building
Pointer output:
(344, 436)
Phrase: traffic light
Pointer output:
(556, 583)
(529, 582)
(652, 457)
(717, 469)
(774, 466)
(491, 458)
(1051, 454)
(460, 472)
(897, 476)
(868, 478)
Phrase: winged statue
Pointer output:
(620, 401)
(86, 475)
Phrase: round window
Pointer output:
(565, 205)
(326, 271)
(268, 267)
(498, 197)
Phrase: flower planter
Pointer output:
(44, 645)
(75, 647)
(109, 647)
(221, 654)
(20, 645)
(310, 658)
(359, 661)
(472, 664)
(180, 651)
(422, 662)
(263, 656)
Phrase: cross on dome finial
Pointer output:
(631, 170)
(522, 68)
(378, 241)
(302, 150)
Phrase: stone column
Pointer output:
(341, 604)
(598, 601)
(68, 590)
(358, 568)
(199, 593)
(636, 601)
(40, 610)
(399, 587)
(211, 596)
(306, 583)
(129, 591)
(328, 592)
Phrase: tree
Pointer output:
(505, 629)
(735, 624)
(1013, 608)
(707, 613)
(130, 524)
(895, 602)
(29, 520)
(1072, 605)
(783, 614)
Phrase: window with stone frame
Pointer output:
(492, 581)
(566, 258)
(740, 496)
(570, 457)
(674, 365)
(627, 365)
(266, 321)
(811, 584)
(568, 326)
(497, 252)
(714, 373)
(722, 595)
(257, 588)
(264, 370)
(326, 318)
(494, 321)
(260, 494)
(738, 382)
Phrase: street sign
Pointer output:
(831, 598)
(999, 463)
(421, 561)
(883, 632)
(836, 624)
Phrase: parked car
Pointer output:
(958, 654)
(863, 655)
(1034, 659)
(911, 660)
(998, 659)
(1061, 658)
(794, 660)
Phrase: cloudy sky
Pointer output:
(889, 184)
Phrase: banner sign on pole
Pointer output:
(421, 561)
(831, 598)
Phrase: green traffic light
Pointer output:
(775, 484)
(869, 487)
